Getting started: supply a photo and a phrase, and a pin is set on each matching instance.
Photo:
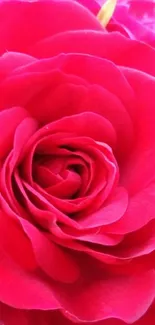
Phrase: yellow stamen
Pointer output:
(106, 12)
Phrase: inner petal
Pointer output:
(68, 187)
(60, 174)
(47, 169)
(44, 176)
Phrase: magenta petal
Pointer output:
(30, 293)
(9, 61)
(12, 118)
(92, 5)
(138, 243)
(13, 17)
(140, 211)
(10, 316)
(117, 296)
(53, 260)
(139, 55)
(138, 171)
(11, 230)
(112, 211)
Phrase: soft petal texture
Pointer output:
(143, 203)
(37, 294)
(94, 6)
(10, 316)
(40, 14)
(12, 60)
(77, 227)
(135, 18)
(116, 302)
(88, 42)
(57, 261)
(10, 229)
(13, 117)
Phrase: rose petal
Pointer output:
(55, 262)
(10, 316)
(12, 60)
(11, 229)
(23, 132)
(18, 89)
(141, 210)
(138, 171)
(123, 297)
(65, 15)
(136, 30)
(135, 244)
(127, 52)
(91, 5)
(79, 64)
(113, 209)
(37, 293)
(12, 117)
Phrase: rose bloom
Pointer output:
(77, 168)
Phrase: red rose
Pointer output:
(77, 157)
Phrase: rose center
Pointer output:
(60, 176)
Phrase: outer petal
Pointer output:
(127, 52)
(37, 293)
(134, 18)
(12, 117)
(140, 211)
(91, 5)
(82, 89)
(24, 23)
(51, 258)
(125, 298)
(12, 60)
(138, 172)
(10, 316)
(10, 230)
(137, 18)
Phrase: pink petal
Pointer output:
(141, 210)
(18, 89)
(114, 208)
(91, 5)
(11, 230)
(135, 28)
(12, 316)
(25, 23)
(37, 293)
(123, 297)
(9, 61)
(135, 244)
(138, 171)
(52, 259)
(12, 117)
(127, 52)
